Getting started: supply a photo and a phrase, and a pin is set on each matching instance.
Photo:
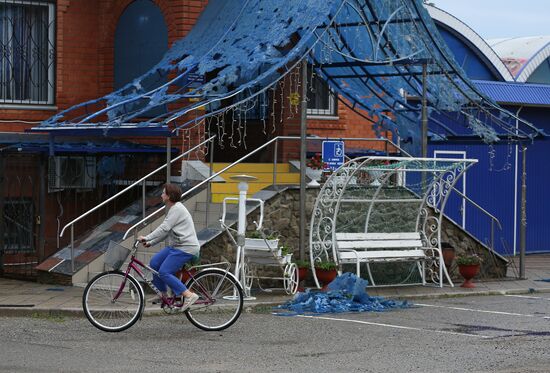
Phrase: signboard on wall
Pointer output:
(333, 154)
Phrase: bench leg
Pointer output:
(370, 275)
(422, 270)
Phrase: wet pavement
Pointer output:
(19, 298)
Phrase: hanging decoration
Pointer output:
(371, 52)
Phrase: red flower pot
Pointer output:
(448, 256)
(325, 276)
(468, 272)
(302, 273)
(185, 275)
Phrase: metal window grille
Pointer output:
(18, 229)
(27, 47)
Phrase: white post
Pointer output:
(241, 231)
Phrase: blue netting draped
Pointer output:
(345, 294)
(372, 52)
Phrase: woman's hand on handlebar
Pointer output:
(143, 241)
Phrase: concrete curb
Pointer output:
(253, 307)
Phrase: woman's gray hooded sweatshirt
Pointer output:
(179, 228)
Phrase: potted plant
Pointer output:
(303, 267)
(315, 169)
(189, 266)
(448, 253)
(286, 253)
(468, 266)
(326, 272)
(255, 241)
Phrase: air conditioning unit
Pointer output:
(67, 172)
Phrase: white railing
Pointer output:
(211, 140)
(141, 181)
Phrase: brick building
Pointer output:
(57, 54)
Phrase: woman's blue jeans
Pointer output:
(167, 262)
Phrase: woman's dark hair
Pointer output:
(173, 192)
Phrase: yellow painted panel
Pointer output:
(252, 167)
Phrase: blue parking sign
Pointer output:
(333, 154)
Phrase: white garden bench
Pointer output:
(357, 248)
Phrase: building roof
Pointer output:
(522, 55)
(467, 33)
(516, 93)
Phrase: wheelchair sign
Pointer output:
(333, 154)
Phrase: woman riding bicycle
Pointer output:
(183, 246)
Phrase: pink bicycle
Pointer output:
(114, 300)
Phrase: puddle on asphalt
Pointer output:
(495, 332)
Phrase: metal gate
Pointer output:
(19, 187)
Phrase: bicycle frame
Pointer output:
(137, 265)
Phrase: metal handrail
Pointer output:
(142, 180)
(200, 184)
(273, 140)
(133, 185)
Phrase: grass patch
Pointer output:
(53, 317)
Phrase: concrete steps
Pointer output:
(262, 171)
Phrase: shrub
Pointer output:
(325, 266)
(302, 263)
(468, 259)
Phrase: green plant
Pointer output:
(258, 235)
(193, 262)
(325, 266)
(468, 259)
(285, 250)
(302, 263)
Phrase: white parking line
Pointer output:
(394, 326)
(477, 310)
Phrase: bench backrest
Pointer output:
(378, 240)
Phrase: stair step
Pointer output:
(233, 188)
(267, 177)
(251, 167)
(201, 206)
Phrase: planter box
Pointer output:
(261, 244)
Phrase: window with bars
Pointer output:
(18, 225)
(27, 41)
(321, 99)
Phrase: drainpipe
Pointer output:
(523, 213)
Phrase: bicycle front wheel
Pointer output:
(113, 303)
(220, 300)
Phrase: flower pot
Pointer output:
(261, 244)
(315, 176)
(325, 276)
(184, 275)
(375, 175)
(468, 272)
(448, 254)
(302, 273)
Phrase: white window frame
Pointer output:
(330, 112)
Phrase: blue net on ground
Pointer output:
(345, 294)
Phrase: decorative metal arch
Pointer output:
(423, 184)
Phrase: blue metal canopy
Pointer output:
(371, 52)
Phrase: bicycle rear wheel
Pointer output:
(103, 310)
(220, 300)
